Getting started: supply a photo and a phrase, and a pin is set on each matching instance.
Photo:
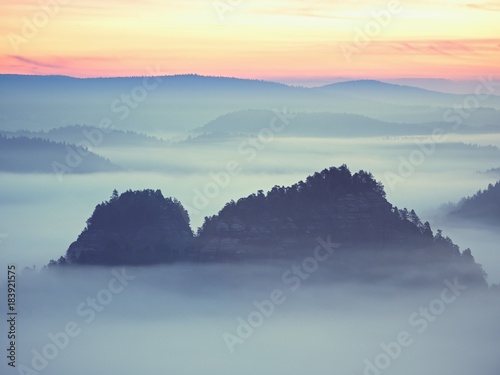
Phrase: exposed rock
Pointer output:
(143, 227)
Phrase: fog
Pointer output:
(176, 319)
(483, 240)
(172, 104)
(42, 214)
(187, 319)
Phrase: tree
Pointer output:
(427, 231)
(439, 234)
(413, 217)
(467, 256)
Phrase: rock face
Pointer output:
(143, 227)
(140, 227)
(349, 208)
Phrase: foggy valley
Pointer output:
(393, 298)
(249, 187)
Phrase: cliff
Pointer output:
(372, 237)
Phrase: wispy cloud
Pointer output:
(454, 48)
(261, 37)
(305, 12)
(36, 63)
(488, 5)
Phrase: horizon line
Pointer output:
(280, 81)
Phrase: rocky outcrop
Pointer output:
(139, 227)
(374, 237)
(350, 208)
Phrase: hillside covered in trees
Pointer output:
(483, 206)
(136, 227)
(94, 136)
(36, 155)
(328, 124)
(286, 223)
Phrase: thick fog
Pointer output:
(248, 319)
(43, 213)
(241, 319)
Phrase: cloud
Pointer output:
(493, 6)
(307, 12)
(320, 9)
(432, 47)
(35, 63)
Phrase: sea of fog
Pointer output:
(244, 319)
(42, 214)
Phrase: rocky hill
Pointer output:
(350, 208)
(375, 237)
(367, 236)
(137, 227)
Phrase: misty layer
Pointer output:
(214, 318)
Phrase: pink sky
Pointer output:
(275, 39)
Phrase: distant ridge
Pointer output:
(175, 78)
(374, 85)
(327, 124)
(184, 102)
(389, 92)
(206, 79)
(76, 134)
(482, 207)
(37, 155)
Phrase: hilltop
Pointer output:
(482, 207)
(374, 238)
(36, 155)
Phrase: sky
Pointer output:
(282, 40)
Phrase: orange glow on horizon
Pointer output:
(260, 39)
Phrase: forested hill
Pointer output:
(136, 227)
(36, 155)
(333, 205)
(90, 135)
(483, 207)
(350, 207)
